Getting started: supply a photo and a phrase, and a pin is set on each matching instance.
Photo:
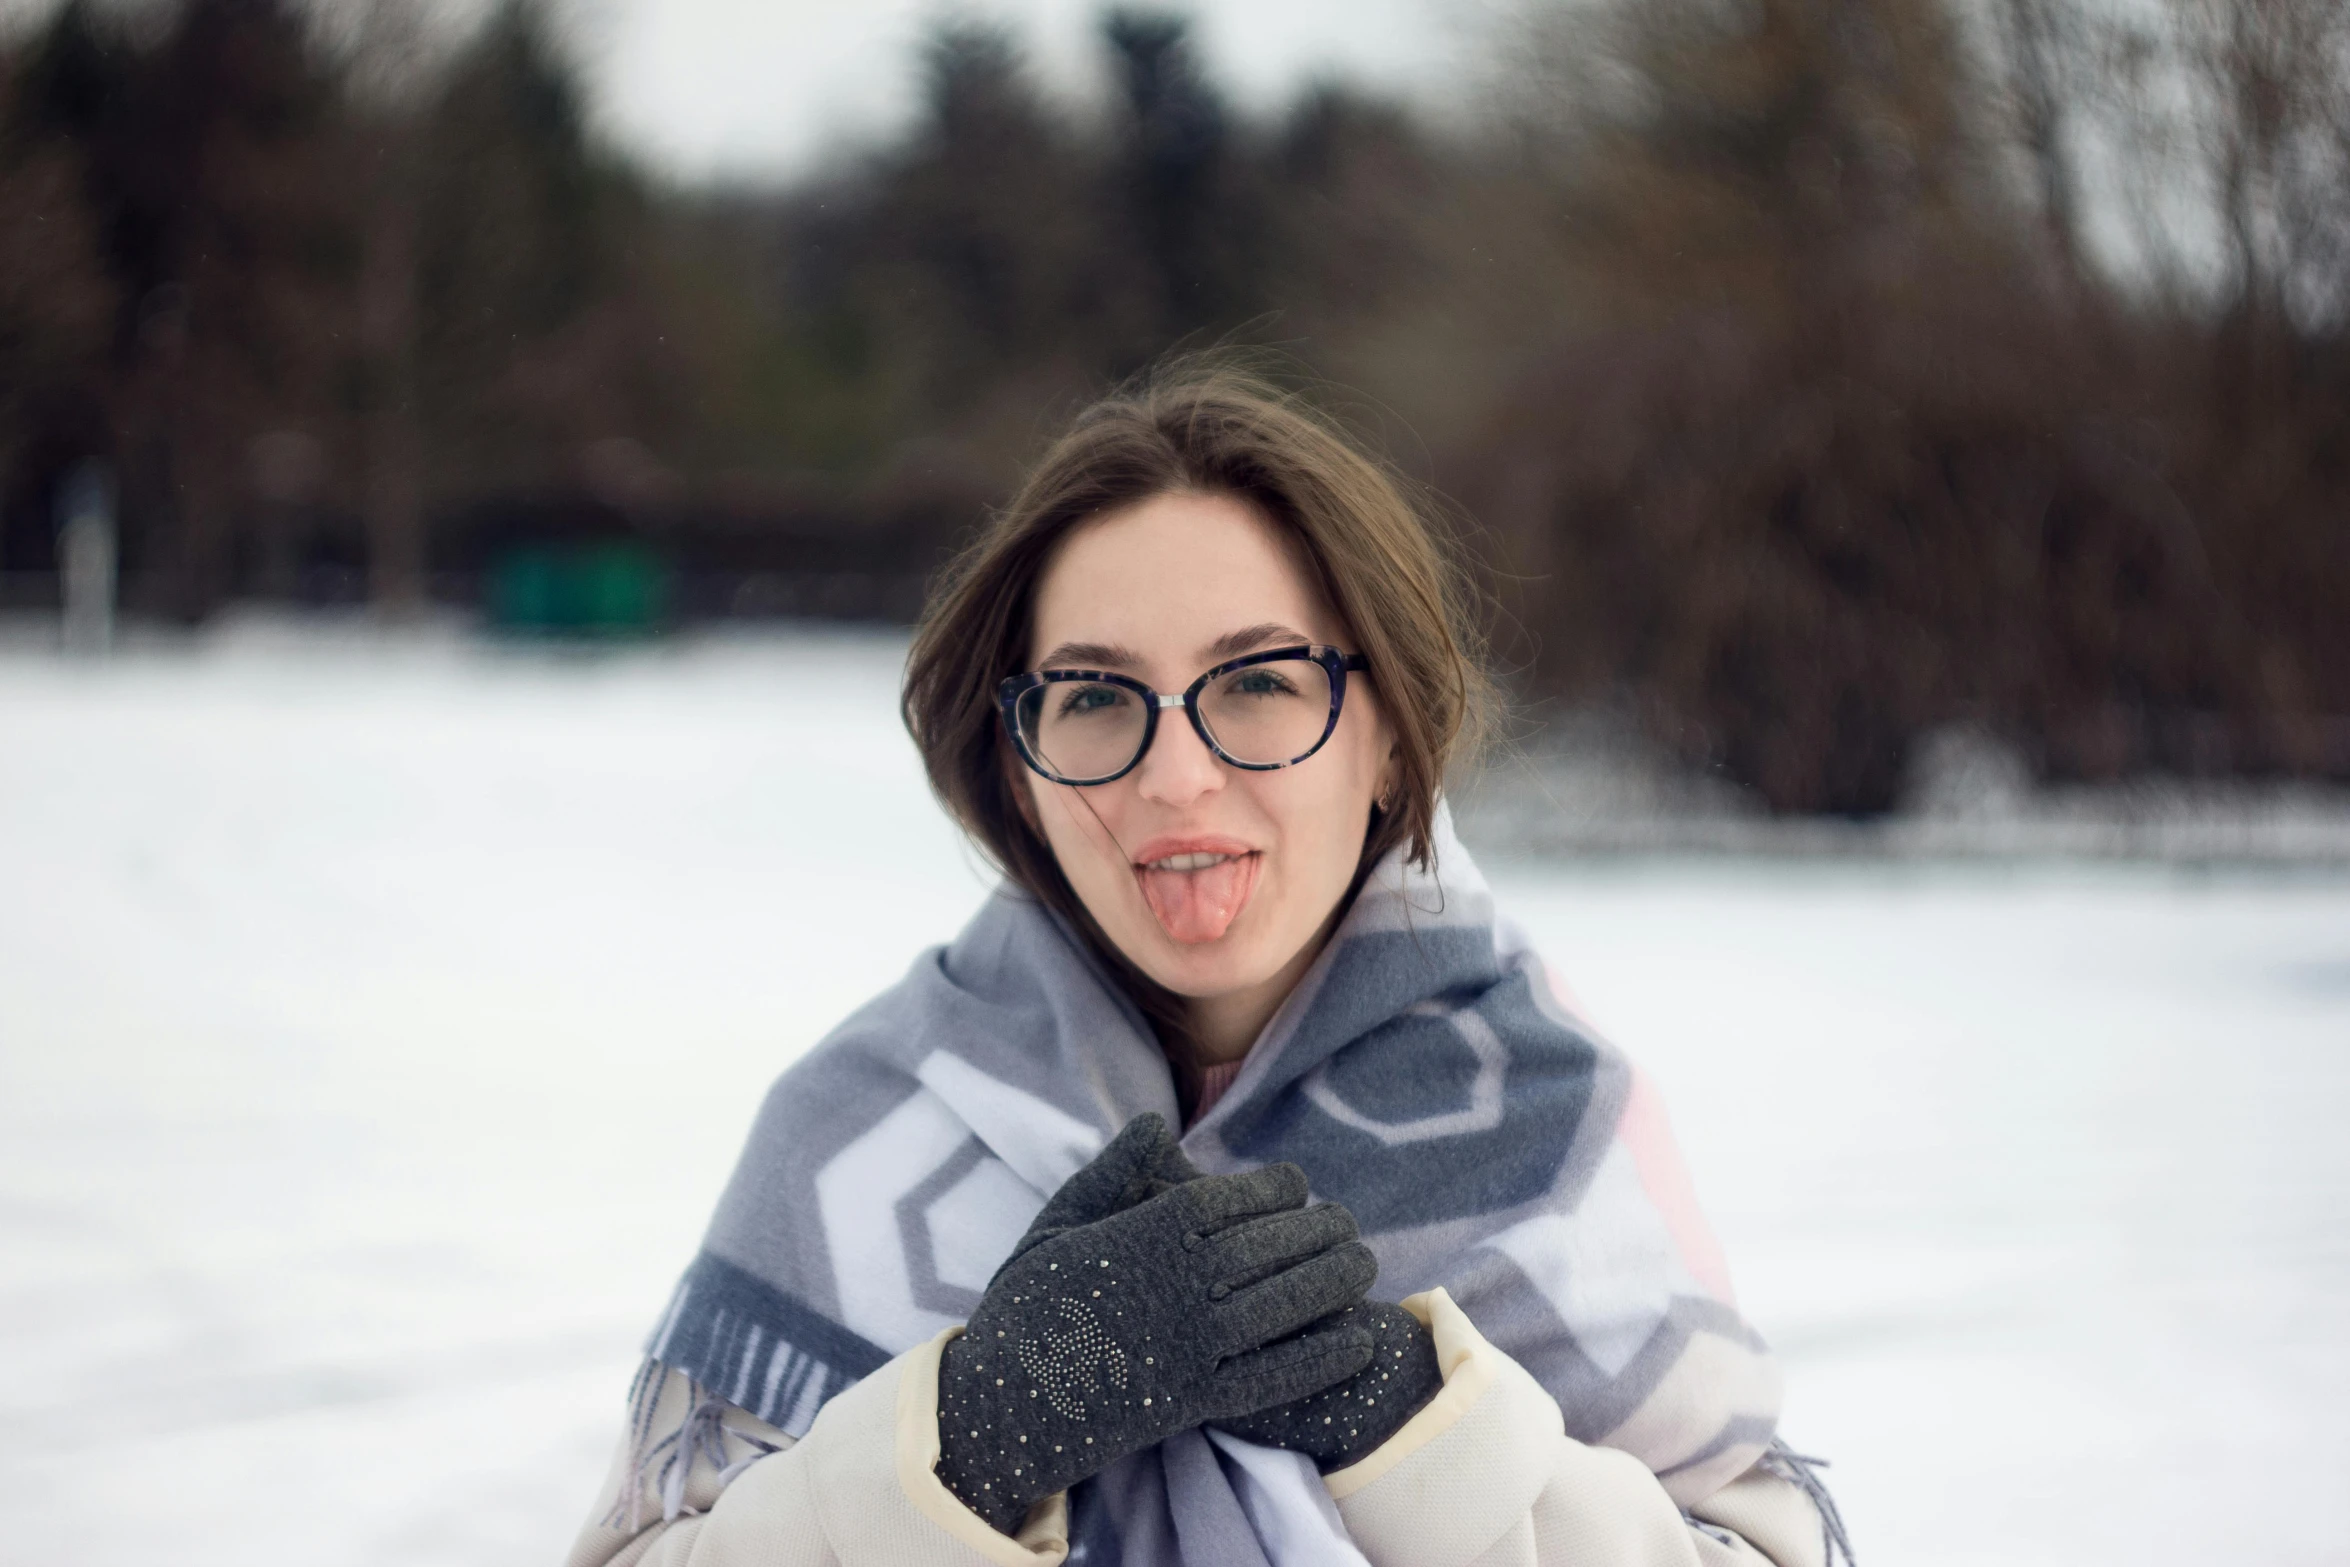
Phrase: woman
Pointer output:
(968, 1299)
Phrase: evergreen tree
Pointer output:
(57, 308)
(1181, 184)
(204, 163)
(520, 245)
(986, 261)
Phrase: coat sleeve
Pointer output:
(857, 1491)
(1486, 1476)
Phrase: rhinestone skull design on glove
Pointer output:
(1202, 1303)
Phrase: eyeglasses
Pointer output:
(1262, 711)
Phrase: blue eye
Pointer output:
(1083, 699)
(1263, 681)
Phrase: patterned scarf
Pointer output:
(1427, 1073)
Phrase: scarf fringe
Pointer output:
(1802, 1471)
(666, 1462)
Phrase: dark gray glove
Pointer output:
(1101, 1339)
(1346, 1420)
(1334, 1427)
(1142, 1161)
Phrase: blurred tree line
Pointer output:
(1818, 373)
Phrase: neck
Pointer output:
(1225, 1027)
(1222, 1028)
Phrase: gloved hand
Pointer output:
(1346, 1420)
(1334, 1427)
(1142, 1161)
(1202, 1303)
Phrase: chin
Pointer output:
(1230, 963)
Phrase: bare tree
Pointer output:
(2042, 50)
(2229, 120)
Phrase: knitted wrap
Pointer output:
(1427, 1073)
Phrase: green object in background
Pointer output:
(611, 589)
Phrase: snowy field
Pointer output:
(378, 1022)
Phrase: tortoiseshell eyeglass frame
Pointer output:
(1335, 664)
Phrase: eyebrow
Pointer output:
(1091, 655)
(1109, 655)
(1247, 640)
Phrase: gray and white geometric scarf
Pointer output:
(1426, 1073)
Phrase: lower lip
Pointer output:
(1197, 907)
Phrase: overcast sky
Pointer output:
(763, 87)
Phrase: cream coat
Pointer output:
(1484, 1476)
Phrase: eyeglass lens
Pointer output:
(1267, 714)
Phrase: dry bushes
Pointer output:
(1865, 455)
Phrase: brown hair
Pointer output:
(1201, 426)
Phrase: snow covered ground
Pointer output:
(378, 1021)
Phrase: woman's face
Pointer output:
(1217, 882)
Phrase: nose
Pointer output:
(1178, 768)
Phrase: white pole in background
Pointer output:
(85, 557)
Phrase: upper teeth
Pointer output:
(1189, 862)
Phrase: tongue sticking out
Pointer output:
(1197, 906)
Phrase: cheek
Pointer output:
(1323, 807)
(1081, 828)
(1362, 743)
